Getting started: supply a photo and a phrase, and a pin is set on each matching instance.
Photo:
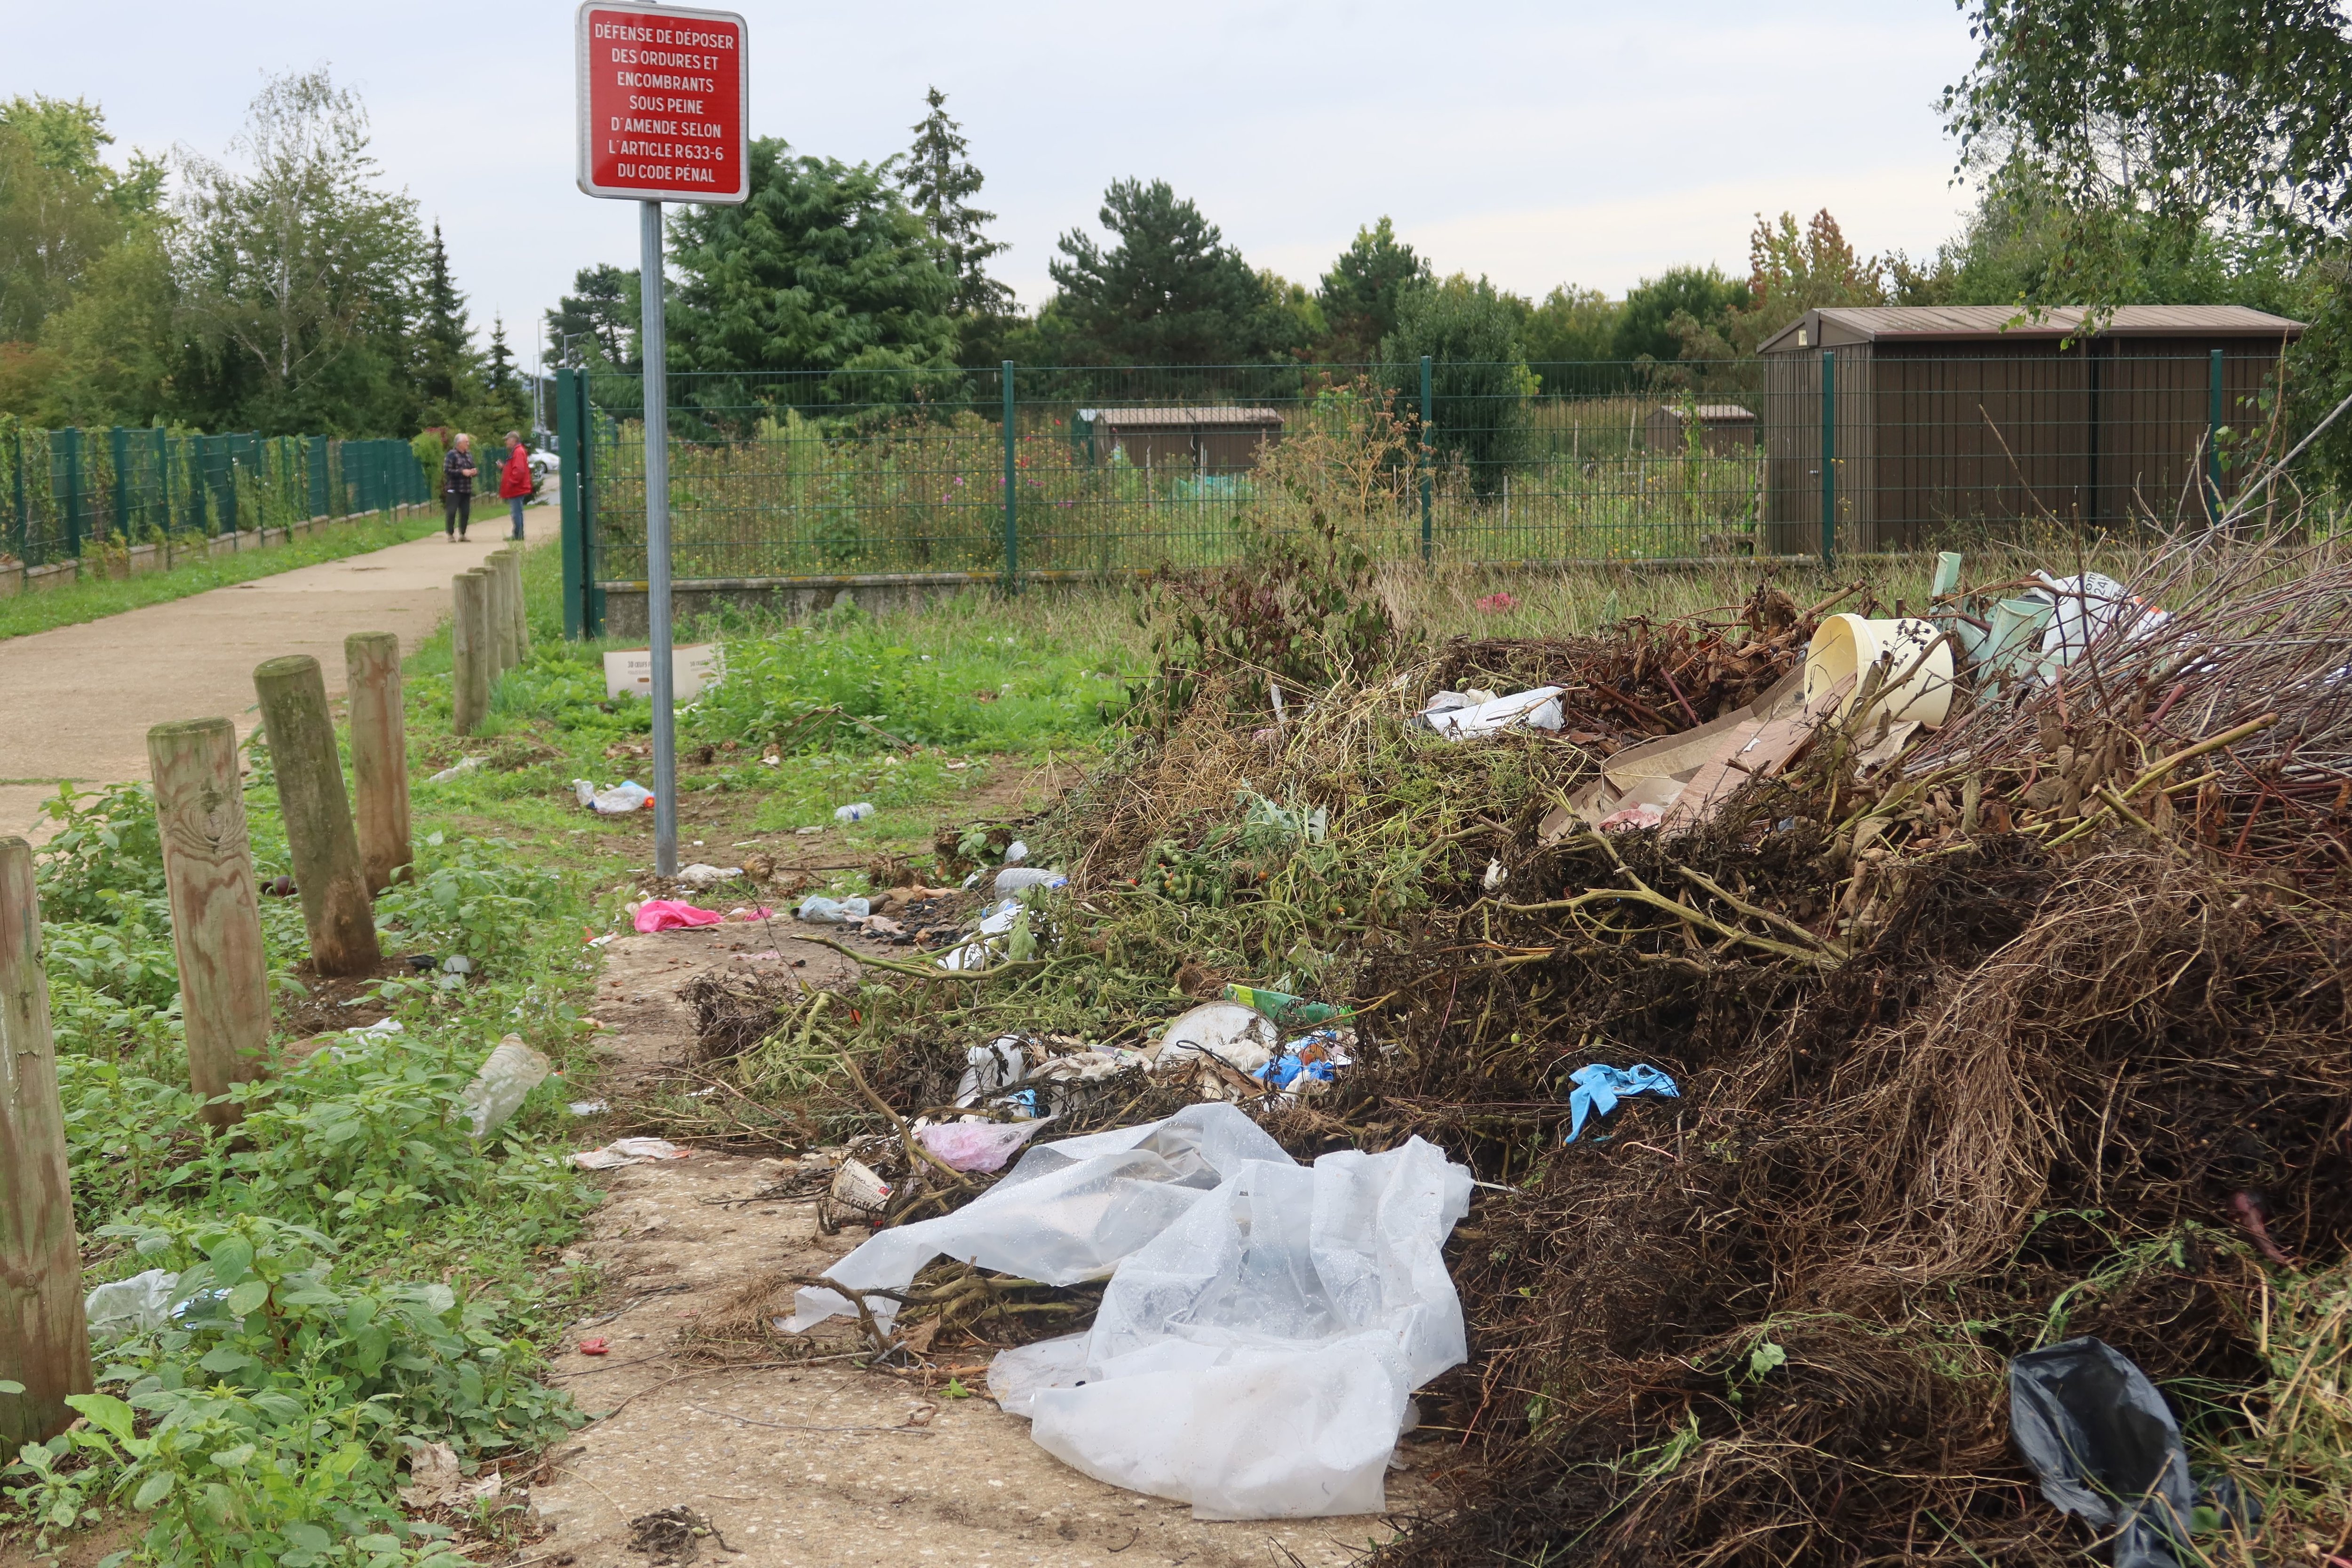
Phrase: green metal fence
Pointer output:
(1021, 472)
(64, 491)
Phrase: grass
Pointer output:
(95, 598)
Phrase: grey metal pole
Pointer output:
(653, 340)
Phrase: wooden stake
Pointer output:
(515, 602)
(503, 584)
(216, 910)
(43, 1341)
(318, 814)
(379, 755)
(469, 642)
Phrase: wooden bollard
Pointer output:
(521, 610)
(472, 651)
(503, 584)
(317, 810)
(215, 909)
(379, 755)
(44, 1340)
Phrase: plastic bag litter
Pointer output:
(982, 949)
(1242, 1039)
(1069, 1211)
(132, 1306)
(1457, 716)
(699, 876)
(858, 813)
(464, 766)
(507, 1077)
(998, 1065)
(818, 909)
(2105, 1447)
(623, 798)
(1256, 1359)
(672, 914)
(628, 1152)
(977, 1145)
(1016, 852)
(1014, 880)
(2085, 609)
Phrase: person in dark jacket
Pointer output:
(457, 471)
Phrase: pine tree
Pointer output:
(446, 335)
(502, 358)
(937, 178)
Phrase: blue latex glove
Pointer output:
(1599, 1086)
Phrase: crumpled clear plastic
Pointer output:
(1069, 1211)
(1257, 1358)
(140, 1304)
(623, 798)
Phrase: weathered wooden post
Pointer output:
(317, 812)
(523, 617)
(513, 562)
(503, 584)
(379, 755)
(470, 650)
(43, 1341)
(215, 910)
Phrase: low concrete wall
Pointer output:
(41, 578)
(146, 558)
(141, 559)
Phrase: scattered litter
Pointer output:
(1256, 1357)
(623, 798)
(856, 1192)
(807, 832)
(1495, 603)
(1496, 876)
(1226, 1033)
(1307, 1061)
(434, 1476)
(423, 962)
(601, 941)
(1599, 1087)
(993, 936)
(381, 1028)
(628, 1152)
(2107, 1448)
(818, 909)
(1458, 715)
(464, 766)
(977, 1145)
(507, 1077)
(2085, 609)
(138, 1305)
(457, 963)
(1632, 818)
(1016, 879)
(858, 813)
(595, 1347)
(998, 1065)
(588, 1106)
(670, 914)
(1913, 657)
(1016, 852)
(699, 876)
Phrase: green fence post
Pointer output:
(567, 495)
(1428, 459)
(118, 443)
(23, 542)
(318, 475)
(1829, 457)
(73, 491)
(1012, 496)
(2215, 408)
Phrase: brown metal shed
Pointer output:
(1208, 440)
(1725, 429)
(1967, 415)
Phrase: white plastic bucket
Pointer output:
(1915, 689)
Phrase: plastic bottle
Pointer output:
(1017, 880)
(858, 813)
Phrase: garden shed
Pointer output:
(1725, 429)
(1208, 440)
(1953, 417)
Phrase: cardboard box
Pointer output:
(630, 671)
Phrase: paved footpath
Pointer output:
(76, 702)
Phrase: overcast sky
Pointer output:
(1539, 144)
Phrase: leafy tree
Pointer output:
(1360, 294)
(823, 269)
(298, 275)
(937, 180)
(116, 344)
(1646, 326)
(1169, 291)
(61, 206)
(1479, 380)
(601, 314)
(1566, 333)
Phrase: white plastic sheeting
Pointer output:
(1267, 1323)
(1069, 1211)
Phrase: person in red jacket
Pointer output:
(514, 479)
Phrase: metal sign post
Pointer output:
(663, 95)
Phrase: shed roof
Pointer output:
(1186, 417)
(1871, 323)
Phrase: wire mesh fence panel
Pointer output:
(1062, 470)
(66, 492)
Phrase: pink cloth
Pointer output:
(671, 914)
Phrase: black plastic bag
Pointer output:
(2107, 1448)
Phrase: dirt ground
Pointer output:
(817, 1463)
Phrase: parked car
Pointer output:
(544, 465)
